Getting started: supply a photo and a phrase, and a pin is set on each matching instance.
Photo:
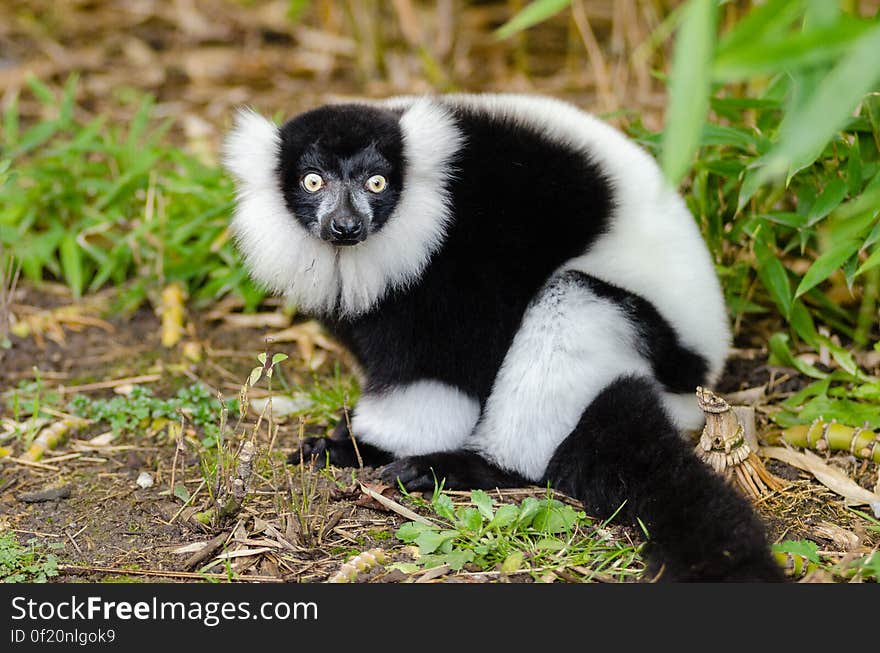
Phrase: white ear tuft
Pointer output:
(251, 149)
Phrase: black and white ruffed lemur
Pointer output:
(528, 299)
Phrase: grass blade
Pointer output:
(535, 12)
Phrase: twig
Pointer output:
(206, 551)
(165, 574)
(29, 463)
(102, 385)
(393, 506)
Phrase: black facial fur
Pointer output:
(345, 145)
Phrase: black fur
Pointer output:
(625, 451)
(459, 469)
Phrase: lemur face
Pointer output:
(341, 171)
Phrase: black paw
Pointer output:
(457, 470)
(321, 452)
(415, 473)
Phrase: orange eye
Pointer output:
(312, 182)
(376, 184)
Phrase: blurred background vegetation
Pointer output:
(767, 114)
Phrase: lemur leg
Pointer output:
(410, 419)
(575, 404)
(625, 451)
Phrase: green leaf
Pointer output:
(483, 502)
(535, 12)
(797, 50)
(871, 262)
(554, 517)
(689, 88)
(255, 376)
(278, 358)
(262, 357)
(409, 531)
(824, 266)
(829, 200)
(459, 558)
(431, 541)
(181, 492)
(442, 505)
(469, 519)
(504, 516)
(72, 264)
(761, 21)
(804, 548)
(513, 562)
(774, 276)
(806, 129)
(43, 93)
(779, 349)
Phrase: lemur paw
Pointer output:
(415, 473)
(321, 452)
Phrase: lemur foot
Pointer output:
(321, 452)
(455, 469)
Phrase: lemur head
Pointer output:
(341, 170)
(343, 203)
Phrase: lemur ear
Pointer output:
(250, 151)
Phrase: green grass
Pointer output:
(97, 204)
(535, 535)
(27, 563)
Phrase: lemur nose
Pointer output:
(346, 228)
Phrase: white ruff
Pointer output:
(418, 418)
(315, 275)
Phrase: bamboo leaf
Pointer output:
(689, 88)
(805, 131)
(774, 276)
(535, 12)
(798, 51)
(824, 266)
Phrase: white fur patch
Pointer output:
(418, 418)
(315, 275)
(654, 247)
(570, 346)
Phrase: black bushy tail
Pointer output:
(626, 451)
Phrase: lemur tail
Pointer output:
(626, 451)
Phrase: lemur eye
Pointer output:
(376, 184)
(312, 182)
